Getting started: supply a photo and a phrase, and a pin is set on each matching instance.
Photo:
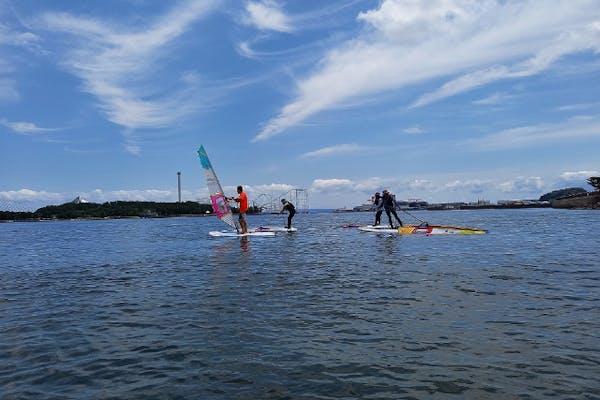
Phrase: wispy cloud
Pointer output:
(494, 99)
(474, 43)
(12, 38)
(267, 15)
(334, 150)
(413, 130)
(16, 38)
(578, 107)
(25, 128)
(120, 66)
(574, 128)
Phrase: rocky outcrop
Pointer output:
(589, 201)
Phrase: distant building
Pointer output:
(79, 200)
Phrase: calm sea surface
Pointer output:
(156, 309)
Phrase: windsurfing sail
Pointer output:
(219, 203)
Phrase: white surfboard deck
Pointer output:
(378, 228)
(273, 229)
(235, 234)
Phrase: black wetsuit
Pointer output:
(390, 208)
(291, 210)
(378, 203)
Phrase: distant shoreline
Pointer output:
(319, 210)
(145, 210)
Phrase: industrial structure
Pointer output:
(179, 186)
(272, 204)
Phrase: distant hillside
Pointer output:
(587, 201)
(113, 209)
(559, 194)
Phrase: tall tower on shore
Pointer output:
(179, 186)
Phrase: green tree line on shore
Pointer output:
(112, 209)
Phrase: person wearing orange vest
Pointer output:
(242, 199)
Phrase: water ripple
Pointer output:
(156, 309)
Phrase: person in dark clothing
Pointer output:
(378, 203)
(389, 205)
(290, 209)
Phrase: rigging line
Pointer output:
(418, 219)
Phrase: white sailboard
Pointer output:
(273, 229)
(219, 202)
(378, 228)
(235, 234)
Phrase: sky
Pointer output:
(438, 100)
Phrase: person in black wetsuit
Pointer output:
(378, 203)
(389, 205)
(290, 209)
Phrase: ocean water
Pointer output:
(157, 309)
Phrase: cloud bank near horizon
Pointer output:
(425, 189)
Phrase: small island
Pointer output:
(113, 209)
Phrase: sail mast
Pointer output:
(219, 203)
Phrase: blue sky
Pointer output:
(436, 100)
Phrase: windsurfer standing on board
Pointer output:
(378, 203)
(243, 200)
(290, 209)
(389, 205)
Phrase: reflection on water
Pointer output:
(244, 244)
(157, 309)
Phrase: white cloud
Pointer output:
(331, 185)
(475, 186)
(11, 37)
(24, 128)
(267, 15)
(532, 184)
(577, 107)
(333, 150)
(574, 128)
(245, 50)
(30, 195)
(413, 130)
(269, 188)
(494, 99)
(419, 184)
(576, 178)
(578, 175)
(120, 66)
(364, 186)
(407, 42)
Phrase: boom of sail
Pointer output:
(219, 203)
